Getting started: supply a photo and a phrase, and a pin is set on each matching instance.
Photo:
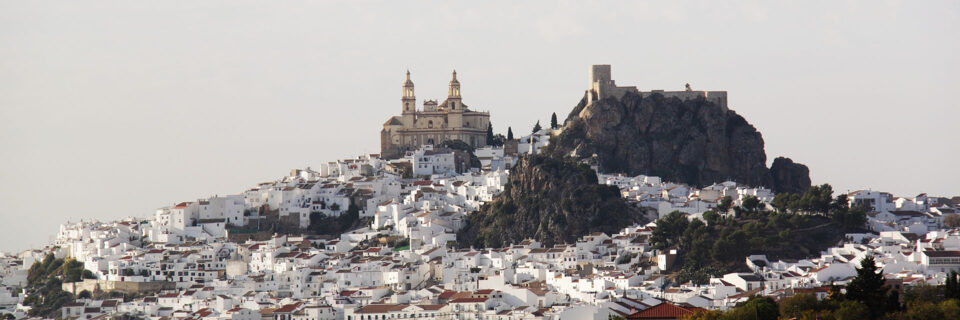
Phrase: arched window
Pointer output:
(468, 124)
(453, 105)
(429, 141)
(430, 124)
(406, 106)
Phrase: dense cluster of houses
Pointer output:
(180, 263)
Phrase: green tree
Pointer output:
(950, 309)
(951, 220)
(850, 310)
(923, 292)
(553, 121)
(712, 217)
(490, 137)
(849, 218)
(706, 315)
(952, 287)
(537, 127)
(868, 287)
(626, 257)
(782, 201)
(668, 230)
(760, 308)
(725, 203)
(922, 311)
(840, 203)
(509, 133)
(799, 305)
(751, 204)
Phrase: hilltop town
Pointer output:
(375, 237)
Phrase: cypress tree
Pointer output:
(537, 127)
(868, 287)
(489, 133)
(509, 133)
(553, 121)
(952, 287)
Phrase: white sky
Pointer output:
(113, 109)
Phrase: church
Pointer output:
(435, 123)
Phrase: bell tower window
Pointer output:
(430, 124)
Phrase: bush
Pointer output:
(626, 257)
(799, 305)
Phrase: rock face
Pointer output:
(690, 141)
(550, 200)
(464, 157)
(789, 176)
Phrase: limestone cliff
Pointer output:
(691, 141)
(550, 200)
(789, 176)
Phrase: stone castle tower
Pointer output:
(602, 86)
(434, 123)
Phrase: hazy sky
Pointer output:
(113, 109)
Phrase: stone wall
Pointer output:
(122, 286)
(604, 87)
(717, 97)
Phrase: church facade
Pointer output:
(434, 123)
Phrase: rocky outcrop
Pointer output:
(550, 200)
(690, 141)
(463, 153)
(789, 176)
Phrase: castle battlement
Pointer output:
(602, 87)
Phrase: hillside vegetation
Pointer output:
(44, 279)
(551, 200)
(722, 243)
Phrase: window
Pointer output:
(430, 124)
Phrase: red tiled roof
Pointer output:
(430, 307)
(469, 300)
(446, 294)
(822, 289)
(288, 308)
(938, 254)
(381, 308)
(664, 310)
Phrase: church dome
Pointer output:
(454, 80)
(408, 83)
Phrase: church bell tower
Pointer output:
(453, 94)
(408, 102)
(409, 99)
